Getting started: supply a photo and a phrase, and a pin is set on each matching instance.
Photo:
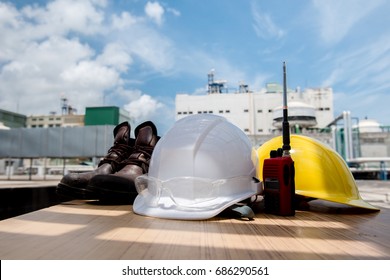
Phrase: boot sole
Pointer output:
(112, 189)
(67, 191)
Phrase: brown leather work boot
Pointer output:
(119, 188)
(73, 185)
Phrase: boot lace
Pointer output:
(141, 162)
(121, 150)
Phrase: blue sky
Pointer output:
(139, 54)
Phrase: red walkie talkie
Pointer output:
(279, 171)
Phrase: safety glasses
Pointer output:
(184, 192)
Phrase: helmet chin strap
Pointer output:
(243, 211)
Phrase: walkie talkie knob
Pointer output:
(273, 154)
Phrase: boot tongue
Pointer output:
(120, 150)
(122, 134)
(145, 137)
(144, 145)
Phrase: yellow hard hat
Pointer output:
(320, 172)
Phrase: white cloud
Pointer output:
(90, 75)
(33, 24)
(155, 11)
(127, 95)
(143, 108)
(174, 12)
(360, 78)
(264, 25)
(115, 55)
(8, 15)
(336, 18)
(95, 57)
(31, 80)
(124, 20)
(155, 50)
(367, 62)
(48, 53)
(62, 16)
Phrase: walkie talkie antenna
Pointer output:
(285, 126)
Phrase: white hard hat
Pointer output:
(201, 166)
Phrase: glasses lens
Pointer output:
(191, 191)
(187, 192)
(149, 189)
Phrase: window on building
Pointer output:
(227, 111)
(179, 113)
(259, 111)
(220, 111)
(246, 110)
(270, 111)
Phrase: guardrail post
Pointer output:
(383, 171)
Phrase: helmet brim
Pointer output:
(167, 209)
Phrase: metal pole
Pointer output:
(285, 125)
(383, 172)
(347, 135)
(30, 171)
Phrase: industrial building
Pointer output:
(259, 115)
(260, 112)
(12, 119)
(54, 121)
(108, 115)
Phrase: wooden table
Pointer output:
(84, 230)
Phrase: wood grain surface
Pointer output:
(82, 230)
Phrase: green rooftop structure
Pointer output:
(108, 115)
